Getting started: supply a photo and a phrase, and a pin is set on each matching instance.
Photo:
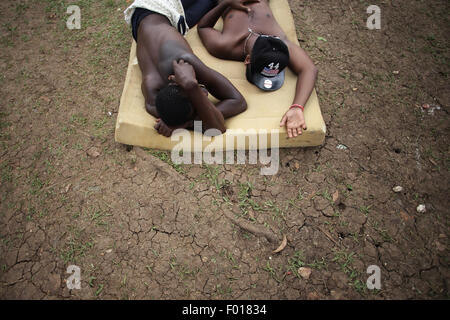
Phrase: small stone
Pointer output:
(45, 99)
(358, 76)
(312, 296)
(304, 272)
(405, 216)
(109, 251)
(66, 189)
(336, 197)
(421, 208)
(440, 246)
(337, 295)
(396, 72)
(397, 189)
(93, 152)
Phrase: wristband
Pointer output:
(297, 106)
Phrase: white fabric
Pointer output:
(172, 9)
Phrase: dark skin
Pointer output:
(165, 57)
(240, 15)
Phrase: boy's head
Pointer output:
(173, 107)
(269, 58)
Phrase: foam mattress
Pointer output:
(256, 128)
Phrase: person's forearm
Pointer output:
(210, 116)
(305, 85)
(231, 107)
(210, 19)
(151, 110)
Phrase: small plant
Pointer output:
(271, 271)
(365, 209)
(295, 262)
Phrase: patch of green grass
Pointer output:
(79, 120)
(326, 195)
(295, 262)
(98, 124)
(36, 184)
(229, 255)
(365, 209)
(98, 215)
(5, 172)
(382, 232)
(277, 214)
(74, 249)
(223, 290)
(99, 290)
(165, 156)
(212, 175)
(319, 264)
(182, 270)
(21, 7)
(271, 271)
(245, 201)
(345, 261)
(110, 3)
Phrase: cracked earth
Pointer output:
(140, 227)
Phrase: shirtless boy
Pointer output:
(175, 83)
(251, 34)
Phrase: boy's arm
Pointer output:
(213, 40)
(231, 102)
(302, 65)
(189, 75)
(217, 42)
(149, 90)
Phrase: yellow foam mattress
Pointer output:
(256, 128)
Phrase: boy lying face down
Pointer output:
(175, 83)
(251, 34)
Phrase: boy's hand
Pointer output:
(167, 131)
(294, 121)
(184, 75)
(163, 128)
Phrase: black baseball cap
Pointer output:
(269, 58)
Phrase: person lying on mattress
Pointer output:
(175, 83)
(251, 34)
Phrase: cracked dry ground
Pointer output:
(140, 227)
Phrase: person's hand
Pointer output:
(184, 75)
(163, 128)
(239, 4)
(294, 121)
(167, 131)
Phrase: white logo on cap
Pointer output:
(271, 70)
(267, 84)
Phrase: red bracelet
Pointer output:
(297, 106)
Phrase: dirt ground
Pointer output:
(140, 227)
